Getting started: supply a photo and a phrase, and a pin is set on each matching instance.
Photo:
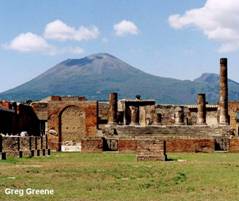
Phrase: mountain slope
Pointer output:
(97, 75)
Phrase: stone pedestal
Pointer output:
(151, 149)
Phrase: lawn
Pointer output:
(113, 177)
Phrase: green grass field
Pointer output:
(112, 176)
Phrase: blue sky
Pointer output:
(141, 33)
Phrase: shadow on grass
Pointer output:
(171, 159)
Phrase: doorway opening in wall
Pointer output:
(110, 144)
(221, 144)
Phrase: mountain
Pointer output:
(97, 75)
(209, 78)
(212, 81)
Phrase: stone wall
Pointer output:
(151, 149)
(190, 114)
(41, 110)
(234, 145)
(103, 108)
(191, 131)
(127, 145)
(72, 120)
(17, 146)
(233, 109)
(173, 144)
(92, 144)
(168, 114)
(89, 108)
(190, 145)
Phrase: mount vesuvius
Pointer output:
(97, 75)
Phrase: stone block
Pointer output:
(151, 149)
(92, 145)
(10, 144)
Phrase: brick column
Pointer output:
(223, 96)
(113, 108)
(134, 115)
(201, 114)
(179, 115)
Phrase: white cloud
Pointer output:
(125, 27)
(58, 30)
(219, 21)
(28, 42)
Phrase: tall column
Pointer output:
(113, 108)
(223, 96)
(134, 115)
(201, 114)
(179, 115)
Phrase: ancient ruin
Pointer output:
(78, 124)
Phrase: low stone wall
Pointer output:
(92, 144)
(127, 145)
(151, 149)
(190, 145)
(17, 146)
(173, 144)
(173, 130)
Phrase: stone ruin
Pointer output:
(184, 128)
(74, 123)
(28, 146)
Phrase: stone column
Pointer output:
(179, 115)
(134, 115)
(201, 114)
(223, 96)
(113, 108)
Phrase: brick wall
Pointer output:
(89, 108)
(41, 110)
(234, 145)
(190, 145)
(151, 149)
(72, 120)
(233, 108)
(92, 144)
(127, 145)
(173, 144)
